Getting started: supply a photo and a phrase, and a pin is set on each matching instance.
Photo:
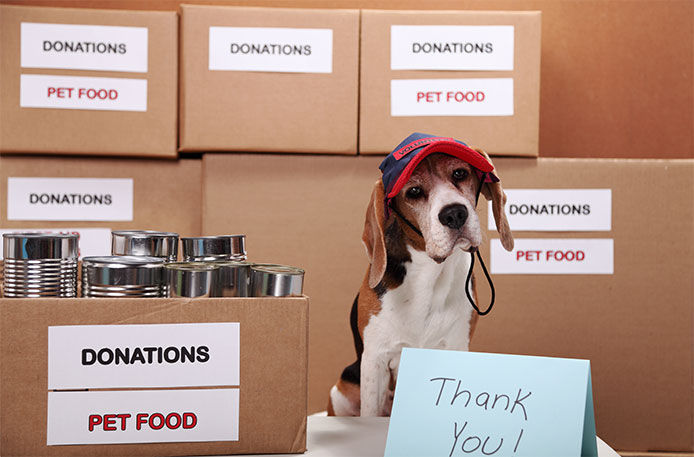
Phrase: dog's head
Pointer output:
(439, 199)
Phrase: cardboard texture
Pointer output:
(636, 326)
(273, 340)
(268, 111)
(151, 133)
(166, 194)
(598, 96)
(498, 135)
(308, 212)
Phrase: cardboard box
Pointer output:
(88, 82)
(148, 194)
(611, 103)
(635, 325)
(289, 88)
(463, 74)
(270, 382)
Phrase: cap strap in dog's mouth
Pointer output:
(474, 252)
(489, 280)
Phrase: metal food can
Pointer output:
(123, 276)
(269, 280)
(193, 279)
(40, 265)
(148, 243)
(214, 248)
(234, 278)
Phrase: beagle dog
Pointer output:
(419, 237)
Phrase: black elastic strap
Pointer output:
(489, 280)
(404, 219)
(484, 267)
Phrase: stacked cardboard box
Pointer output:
(79, 81)
(261, 79)
(598, 96)
(462, 74)
(49, 193)
(229, 399)
(635, 324)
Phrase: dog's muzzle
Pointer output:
(453, 216)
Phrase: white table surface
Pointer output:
(361, 437)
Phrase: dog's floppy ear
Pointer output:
(373, 235)
(495, 193)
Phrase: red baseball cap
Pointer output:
(399, 165)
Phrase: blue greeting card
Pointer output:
(453, 403)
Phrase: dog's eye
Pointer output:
(460, 174)
(414, 192)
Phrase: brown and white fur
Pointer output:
(413, 292)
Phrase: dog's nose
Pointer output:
(453, 216)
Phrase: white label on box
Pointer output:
(79, 92)
(565, 256)
(93, 241)
(69, 199)
(84, 47)
(142, 416)
(146, 355)
(451, 47)
(557, 210)
(272, 49)
(451, 97)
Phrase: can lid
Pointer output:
(233, 263)
(192, 266)
(124, 261)
(221, 247)
(277, 269)
(40, 246)
(143, 233)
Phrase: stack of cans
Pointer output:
(233, 279)
(123, 276)
(146, 243)
(143, 264)
(213, 266)
(40, 265)
(209, 279)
